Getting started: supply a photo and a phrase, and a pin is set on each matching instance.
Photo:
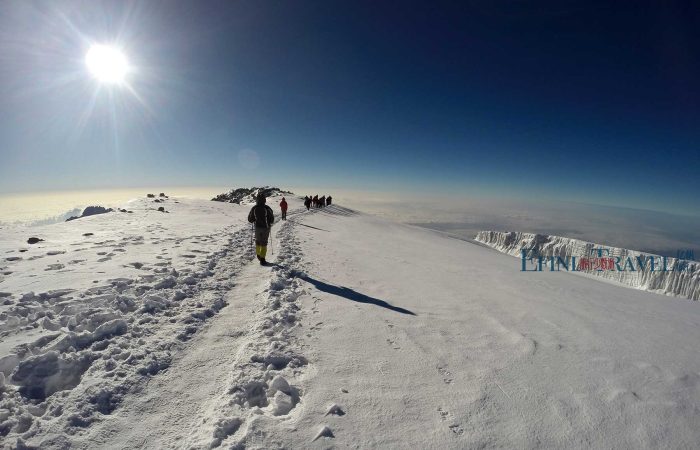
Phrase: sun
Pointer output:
(106, 63)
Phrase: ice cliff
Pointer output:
(682, 278)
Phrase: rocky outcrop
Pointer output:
(248, 195)
(91, 211)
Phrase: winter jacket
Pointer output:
(261, 215)
(283, 205)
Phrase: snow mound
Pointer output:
(680, 283)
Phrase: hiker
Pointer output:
(322, 201)
(315, 201)
(263, 218)
(329, 199)
(283, 207)
(307, 202)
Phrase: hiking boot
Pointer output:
(262, 261)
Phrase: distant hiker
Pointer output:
(263, 218)
(315, 201)
(322, 201)
(307, 202)
(283, 207)
(329, 199)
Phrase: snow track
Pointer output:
(260, 390)
(234, 374)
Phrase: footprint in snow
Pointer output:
(446, 374)
(392, 343)
(323, 432)
(335, 410)
(455, 427)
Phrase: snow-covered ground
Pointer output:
(159, 331)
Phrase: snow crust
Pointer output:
(680, 283)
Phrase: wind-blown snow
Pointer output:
(681, 283)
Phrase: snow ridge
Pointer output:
(679, 283)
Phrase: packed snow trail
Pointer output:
(231, 375)
(168, 411)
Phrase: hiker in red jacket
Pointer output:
(283, 206)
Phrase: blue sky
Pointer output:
(588, 101)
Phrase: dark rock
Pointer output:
(91, 211)
(156, 200)
(161, 209)
(150, 195)
(88, 234)
(248, 195)
(34, 240)
(162, 194)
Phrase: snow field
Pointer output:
(362, 333)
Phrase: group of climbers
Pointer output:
(262, 216)
(317, 202)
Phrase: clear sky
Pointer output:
(566, 100)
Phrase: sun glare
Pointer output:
(107, 64)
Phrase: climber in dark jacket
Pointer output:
(263, 218)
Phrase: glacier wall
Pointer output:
(678, 283)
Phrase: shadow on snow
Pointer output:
(305, 225)
(352, 295)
